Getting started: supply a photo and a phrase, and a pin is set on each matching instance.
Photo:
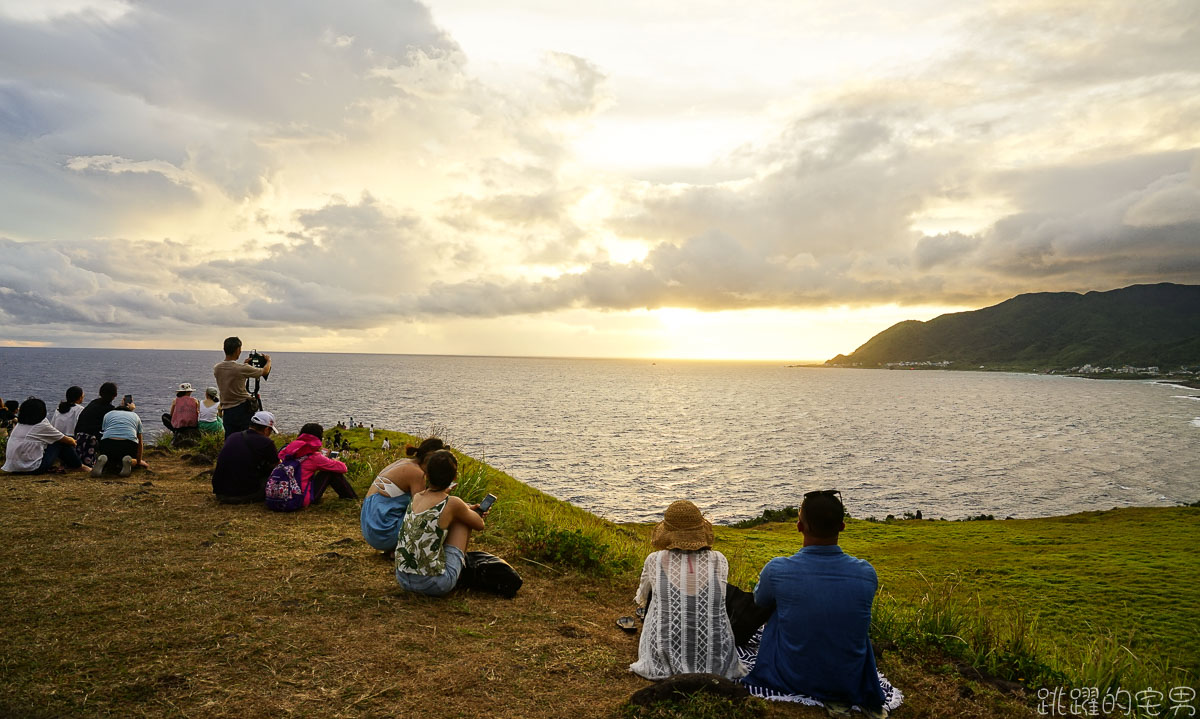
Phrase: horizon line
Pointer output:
(798, 361)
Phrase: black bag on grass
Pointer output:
(489, 573)
(745, 616)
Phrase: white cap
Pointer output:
(264, 419)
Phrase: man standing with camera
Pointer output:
(238, 405)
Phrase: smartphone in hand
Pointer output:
(486, 504)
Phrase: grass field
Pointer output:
(131, 599)
(1080, 587)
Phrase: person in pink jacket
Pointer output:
(315, 467)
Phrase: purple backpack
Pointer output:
(286, 491)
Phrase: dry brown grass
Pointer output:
(131, 600)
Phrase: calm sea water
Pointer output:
(624, 438)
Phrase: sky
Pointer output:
(767, 179)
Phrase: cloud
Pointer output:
(165, 167)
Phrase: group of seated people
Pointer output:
(187, 417)
(248, 457)
(99, 438)
(409, 512)
(815, 642)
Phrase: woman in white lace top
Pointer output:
(686, 629)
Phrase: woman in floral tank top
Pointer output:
(433, 538)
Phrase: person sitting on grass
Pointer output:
(34, 443)
(120, 437)
(8, 414)
(66, 415)
(386, 502)
(816, 642)
(183, 418)
(433, 538)
(87, 427)
(209, 416)
(245, 462)
(317, 470)
(687, 629)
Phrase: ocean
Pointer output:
(624, 438)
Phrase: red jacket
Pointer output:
(308, 448)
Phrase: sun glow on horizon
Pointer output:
(774, 334)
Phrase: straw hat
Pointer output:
(683, 527)
(185, 387)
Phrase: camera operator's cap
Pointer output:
(185, 387)
(264, 419)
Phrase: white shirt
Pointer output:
(687, 628)
(208, 414)
(27, 443)
(65, 423)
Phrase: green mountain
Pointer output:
(1141, 325)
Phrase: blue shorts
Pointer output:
(381, 517)
(440, 585)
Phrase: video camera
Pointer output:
(256, 360)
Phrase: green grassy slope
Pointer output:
(1089, 582)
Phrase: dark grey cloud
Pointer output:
(350, 265)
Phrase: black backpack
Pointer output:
(489, 573)
(744, 615)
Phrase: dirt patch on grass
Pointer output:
(131, 599)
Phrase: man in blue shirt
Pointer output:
(816, 642)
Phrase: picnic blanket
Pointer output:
(748, 654)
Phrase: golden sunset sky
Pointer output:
(754, 180)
